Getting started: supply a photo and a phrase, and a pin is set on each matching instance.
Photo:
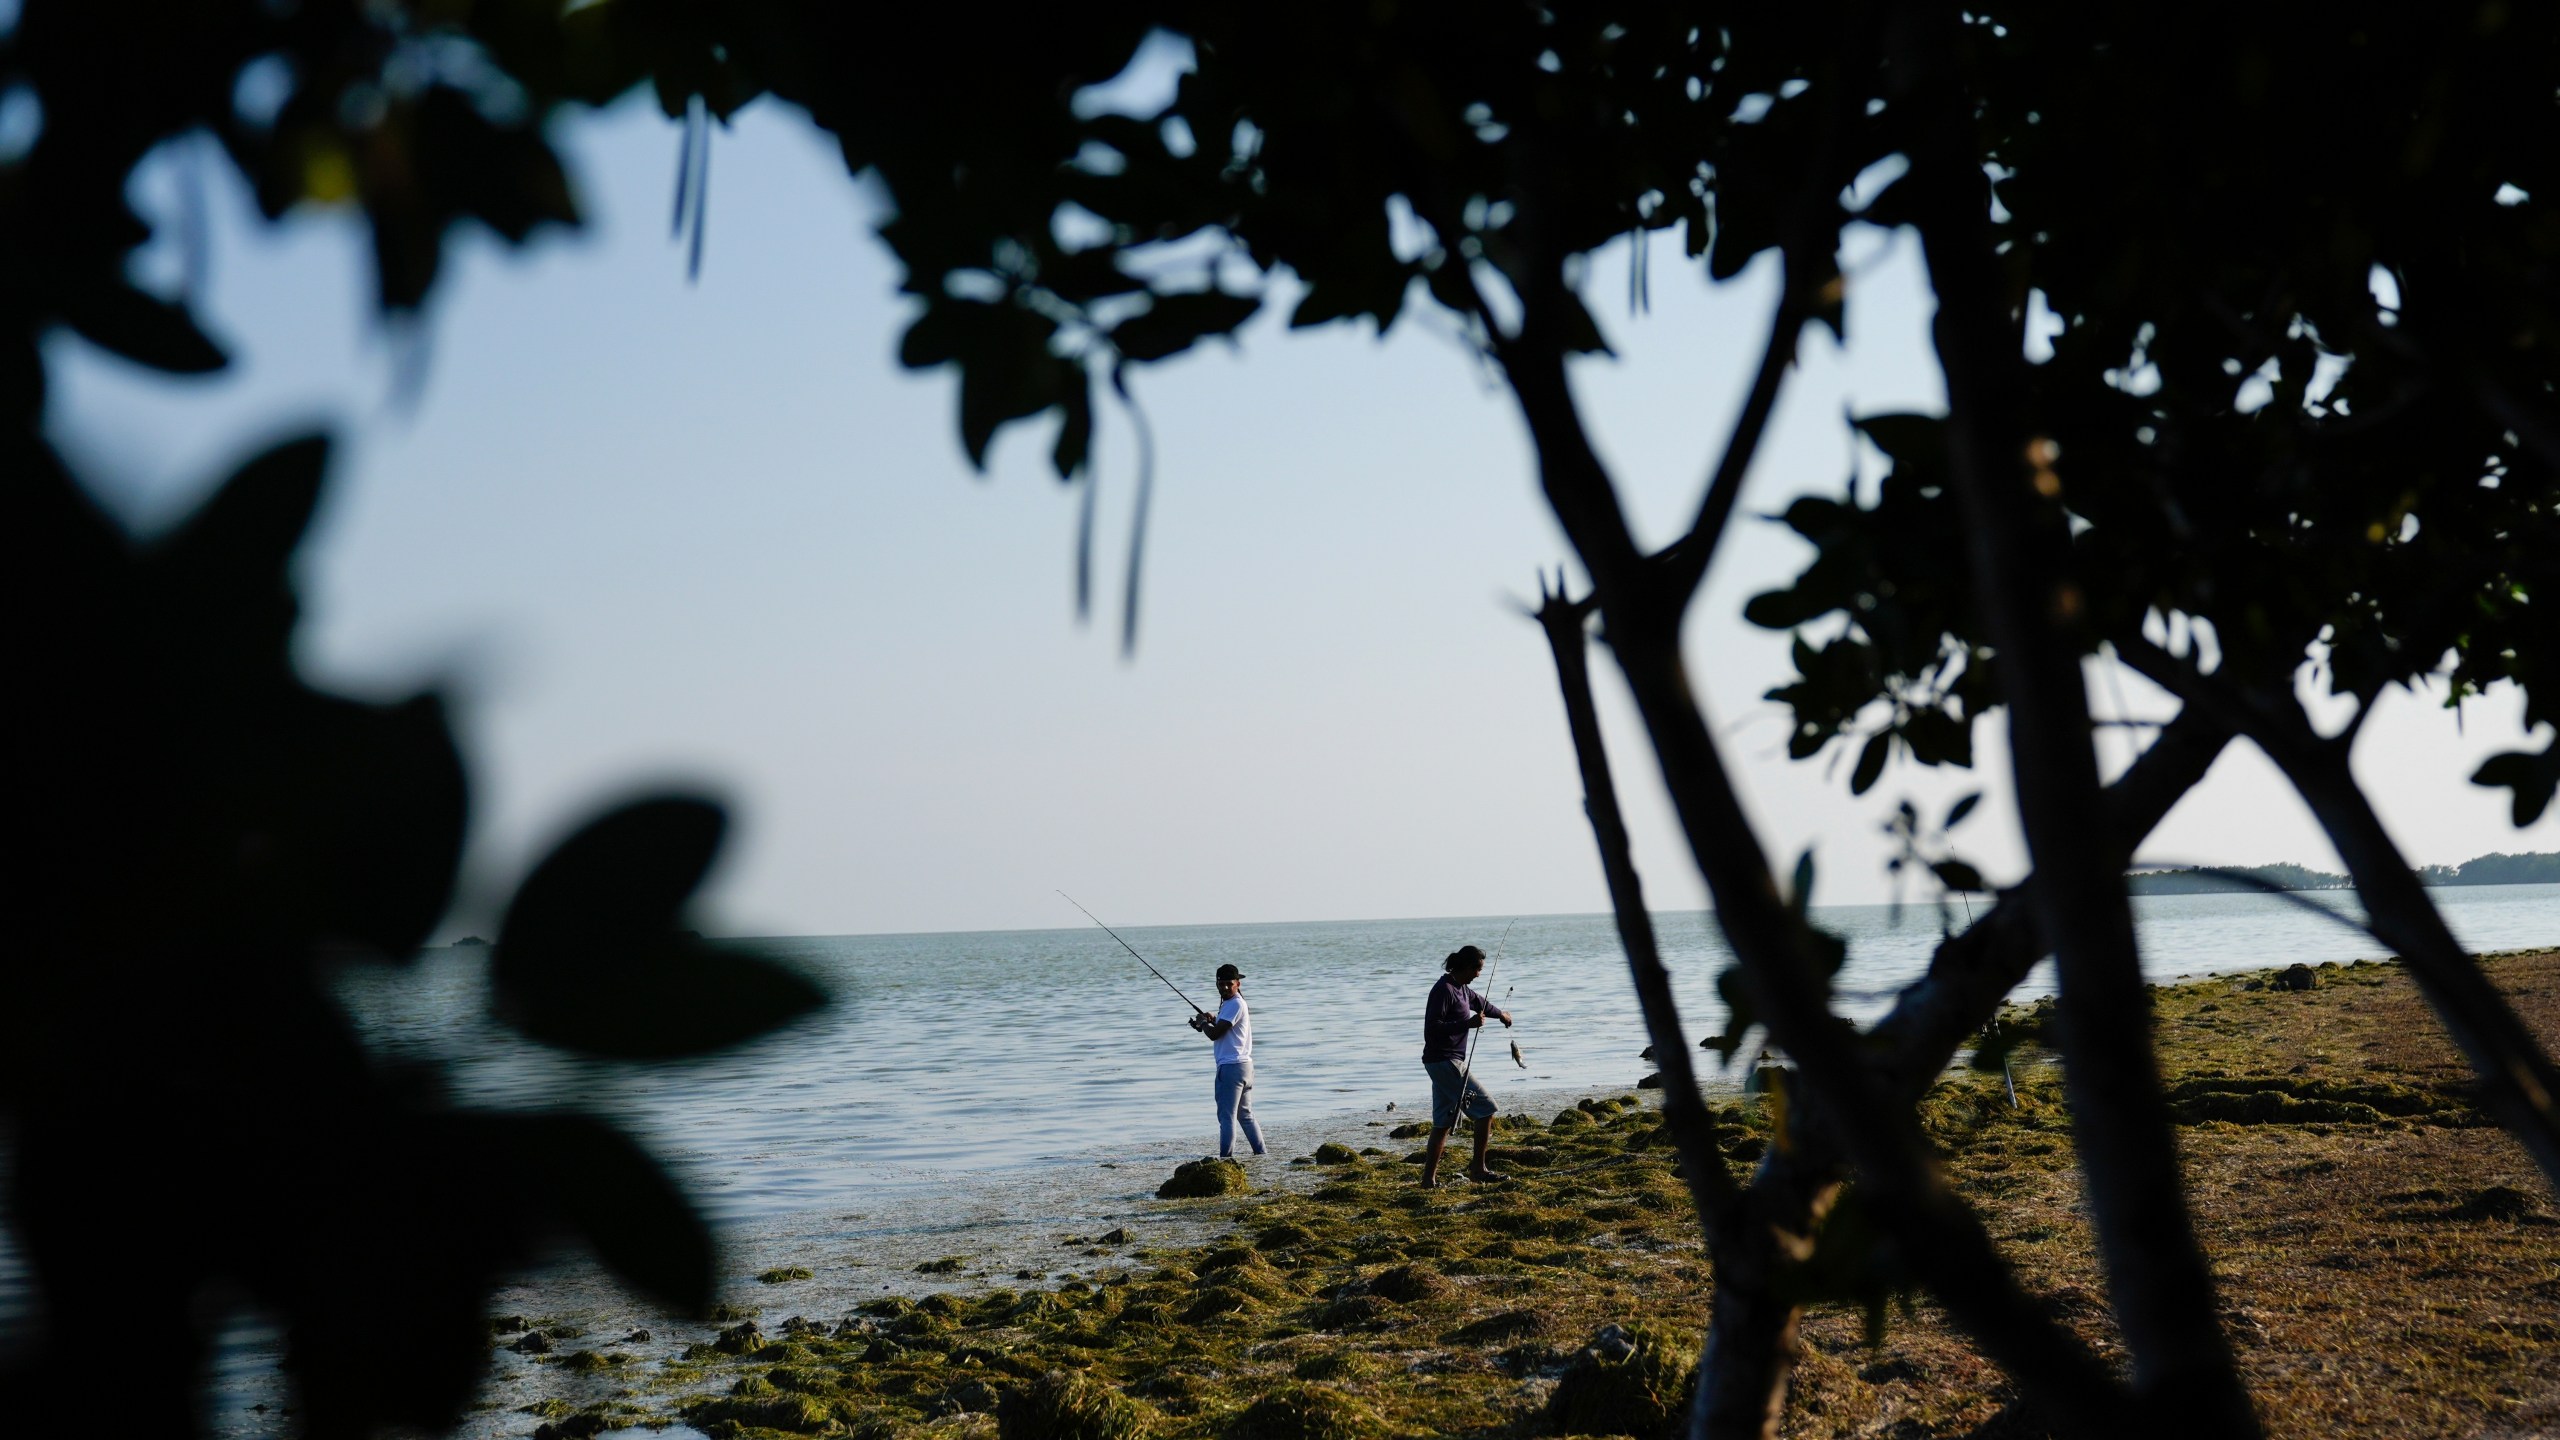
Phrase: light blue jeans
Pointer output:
(1235, 1106)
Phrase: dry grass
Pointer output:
(2390, 1267)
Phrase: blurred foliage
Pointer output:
(2301, 401)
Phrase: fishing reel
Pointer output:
(1199, 1021)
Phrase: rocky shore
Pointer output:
(2390, 1266)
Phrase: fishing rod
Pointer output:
(1469, 1069)
(1133, 951)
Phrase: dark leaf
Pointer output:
(1963, 807)
(1075, 431)
(1870, 766)
(381, 802)
(1576, 330)
(223, 579)
(591, 957)
(142, 328)
(614, 1195)
(1176, 322)
(2532, 777)
(1801, 895)
(1957, 875)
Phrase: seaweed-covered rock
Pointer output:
(1509, 1325)
(1284, 1236)
(799, 1414)
(1061, 1406)
(1410, 1130)
(1407, 1284)
(1630, 1380)
(1204, 1179)
(969, 1397)
(1331, 1153)
(2296, 976)
(1305, 1412)
(1217, 1300)
(1356, 1312)
(1335, 1365)
(2498, 1202)
(785, 1274)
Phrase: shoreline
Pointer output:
(1372, 1307)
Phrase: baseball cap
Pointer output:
(1229, 972)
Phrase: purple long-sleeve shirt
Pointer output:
(1447, 1016)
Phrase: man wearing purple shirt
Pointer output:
(1452, 1011)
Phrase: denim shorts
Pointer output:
(1444, 1094)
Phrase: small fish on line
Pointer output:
(1516, 1057)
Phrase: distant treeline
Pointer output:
(2541, 868)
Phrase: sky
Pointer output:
(648, 532)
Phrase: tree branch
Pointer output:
(2517, 1080)
(1686, 559)
(1936, 1234)
(1750, 1351)
(2157, 1276)
(1684, 1112)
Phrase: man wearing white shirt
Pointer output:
(1231, 1034)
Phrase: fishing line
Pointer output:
(1133, 951)
(1468, 1069)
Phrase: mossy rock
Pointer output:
(743, 1338)
(1062, 1406)
(2498, 1202)
(1408, 1285)
(785, 1274)
(1630, 1380)
(1031, 1308)
(1306, 1412)
(1336, 1365)
(1218, 1300)
(1509, 1325)
(1410, 1130)
(798, 1414)
(1567, 1119)
(1204, 1179)
(1284, 1236)
(1357, 1312)
(1330, 1153)
(946, 1265)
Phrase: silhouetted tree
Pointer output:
(2239, 435)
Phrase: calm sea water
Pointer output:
(953, 1054)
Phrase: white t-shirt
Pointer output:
(1236, 1044)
